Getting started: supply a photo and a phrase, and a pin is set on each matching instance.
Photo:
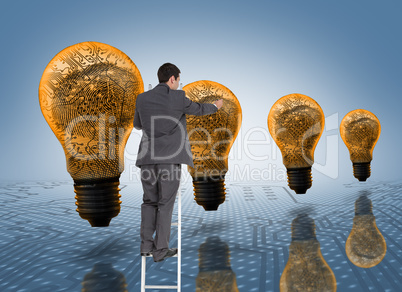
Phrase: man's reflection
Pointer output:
(365, 246)
(215, 273)
(306, 269)
(104, 278)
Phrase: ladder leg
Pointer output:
(179, 243)
(143, 270)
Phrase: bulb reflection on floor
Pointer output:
(104, 278)
(306, 269)
(365, 246)
(215, 273)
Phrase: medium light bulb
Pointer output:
(296, 123)
(215, 272)
(360, 130)
(306, 269)
(87, 95)
(211, 137)
(365, 246)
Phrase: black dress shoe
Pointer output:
(171, 252)
(146, 254)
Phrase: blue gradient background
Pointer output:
(344, 54)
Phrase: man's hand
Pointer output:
(218, 103)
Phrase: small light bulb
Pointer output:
(365, 246)
(306, 269)
(211, 138)
(360, 130)
(296, 123)
(87, 95)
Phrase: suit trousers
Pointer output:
(160, 183)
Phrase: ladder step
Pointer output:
(150, 256)
(175, 224)
(160, 287)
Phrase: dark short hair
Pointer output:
(166, 71)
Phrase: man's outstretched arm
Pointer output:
(200, 109)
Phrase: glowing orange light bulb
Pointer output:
(211, 137)
(296, 123)
(87, 95)
(360, 130)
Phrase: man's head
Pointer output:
(169, 74)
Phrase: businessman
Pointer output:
(161, 114)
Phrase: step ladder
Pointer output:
(144, 260)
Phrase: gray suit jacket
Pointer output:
(161, 114)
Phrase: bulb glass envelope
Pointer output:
(296, 123)
(360, 130)
(212, 136)
(87, 95)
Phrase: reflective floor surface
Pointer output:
(46, 246)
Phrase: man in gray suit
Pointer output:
(161, 114)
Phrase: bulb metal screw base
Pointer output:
(299, 179)
(98, 202)
(361, 170)
(209, 193)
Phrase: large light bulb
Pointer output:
(365, 246)
(360, 130)
(215, 272)
(296, 123)
(306, 269)
(87, 95)
(211, 137)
